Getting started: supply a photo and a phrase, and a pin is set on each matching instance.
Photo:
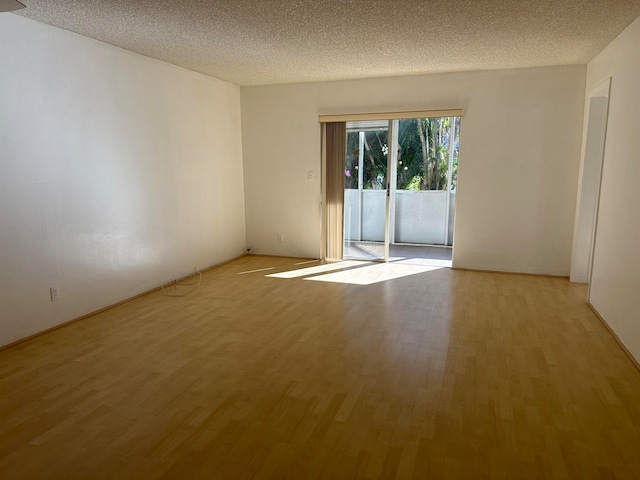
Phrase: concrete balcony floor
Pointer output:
(437, 256)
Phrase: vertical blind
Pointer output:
(336, 147)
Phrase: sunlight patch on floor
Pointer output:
(374, 273)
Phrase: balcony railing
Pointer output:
(419, 217)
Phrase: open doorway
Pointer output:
(400, 190)
(589, 183)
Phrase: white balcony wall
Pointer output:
(374, 212)
(420, 217)
(452, 217)
(373, 215)
(351, 214)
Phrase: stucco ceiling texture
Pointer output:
(258, 42)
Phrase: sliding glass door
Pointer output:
(400, 179)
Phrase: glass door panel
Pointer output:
(366, 187)
(426, 177)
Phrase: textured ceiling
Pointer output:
(257, 42)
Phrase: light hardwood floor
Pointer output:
(435, 375)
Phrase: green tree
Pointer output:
(423, 155)
(375, 159)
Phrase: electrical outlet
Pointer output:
(55, 293)
(311, 175)
(280, 238)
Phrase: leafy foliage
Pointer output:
(423, 155)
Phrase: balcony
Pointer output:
(421, 228)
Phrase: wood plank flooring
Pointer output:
(437, 374)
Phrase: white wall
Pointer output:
(117, 173)
(519, 160)
(615, 283)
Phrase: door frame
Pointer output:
(392, 117)
(589, 184)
